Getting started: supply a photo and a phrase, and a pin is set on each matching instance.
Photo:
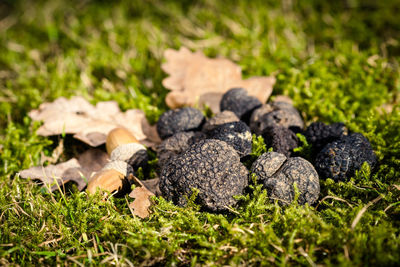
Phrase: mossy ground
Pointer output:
(338, 60)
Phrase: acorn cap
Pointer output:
(126, 151)
(110, 178)
(119, 136)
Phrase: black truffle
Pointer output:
(281, 139)
(239, 102)
(237, 134)
(176, 144)
(219, 118)
(276, 114)
(278, 175)
(179, 120)
(340, 159)
(319, 134)
(211, 166)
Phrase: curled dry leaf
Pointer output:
(198, 80)
(89, 123)
(142, 202)
(74, 170)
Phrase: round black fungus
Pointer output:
(239, 102)
(340, 159)
(176, 144)
(139, 159)
(281, 139)
(219, 118)
(278, 175)
(211, 166)
(318, 134)
(236, 134)
(179, 120)
(276, 114)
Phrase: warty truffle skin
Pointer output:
(278, 175)
(319, 134)
(281, 139)
(276, 114)
(177, 144)
(219, 118)
(340, 159)
(179, 120)
(211, 166)
(237, 134)
(239, 102)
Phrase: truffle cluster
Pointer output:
(279, 173)
(207, 154)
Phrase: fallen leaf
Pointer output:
(55, 156)
(74, 170)
(52, 174)
(152, 186)
(195, 79)
(142, 202)
(89, 123)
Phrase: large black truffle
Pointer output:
(176, 144)
(281, 139)
(179, 120)
(319, 134)
(211, 166)
(237, 134)
(278, 175)
(239, 102)
(340, 159)
(276, 114)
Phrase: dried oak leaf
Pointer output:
(141, 194)
(74, 170)
(198, 80)
(89, 123)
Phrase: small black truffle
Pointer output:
(276, 114)
(179, 120)
(340, 159)
(237, 134)
(219, 118)
(211, 166)
(239, 102)
(281, 139)
(319, 134)
(278, 175)
(176, 144)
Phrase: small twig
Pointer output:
(50, 241)
(363, 210)
(305, 255)
(390, 206)
(335, 198)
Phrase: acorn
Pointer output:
(122, 145)
(119, 136)
(113, 177)
(126, 155)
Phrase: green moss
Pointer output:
(337, 60)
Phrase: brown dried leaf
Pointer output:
(142, 202)
(52, 174)
(197, 80)
(152, 186)
(89, 123)
(74, 170)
